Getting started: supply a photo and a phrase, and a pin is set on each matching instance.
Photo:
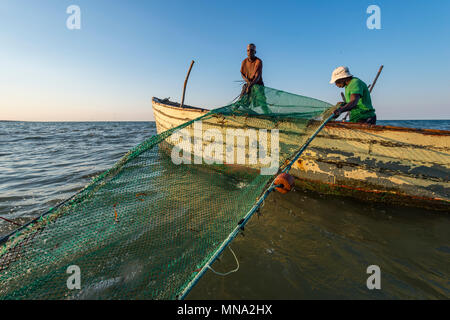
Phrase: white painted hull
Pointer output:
(392, 163)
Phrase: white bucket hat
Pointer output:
(340, 73)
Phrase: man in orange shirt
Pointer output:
(251, 72)
(251, 69)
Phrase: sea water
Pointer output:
(303, 246)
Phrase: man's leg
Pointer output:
(371, 120)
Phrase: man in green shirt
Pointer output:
(357, 97)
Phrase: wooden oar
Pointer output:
(376, 78)
(185, 83)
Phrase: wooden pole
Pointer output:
(376, 78)
(185, 83)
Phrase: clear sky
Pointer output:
(128, 51)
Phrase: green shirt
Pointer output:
(363, 109)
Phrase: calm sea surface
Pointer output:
(304, 246)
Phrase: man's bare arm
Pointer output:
(242, 74)
(354, 99)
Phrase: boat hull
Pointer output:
(378, 163)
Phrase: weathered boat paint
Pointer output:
(378, 163)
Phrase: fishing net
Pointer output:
(145, 228)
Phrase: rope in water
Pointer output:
(227, 241)
(10, 221)
(229, 272)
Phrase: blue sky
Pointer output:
(128, 51)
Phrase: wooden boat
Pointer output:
(377, 163)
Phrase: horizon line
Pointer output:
(154, 120)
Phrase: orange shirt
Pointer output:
(250, 68)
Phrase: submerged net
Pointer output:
(147, 226)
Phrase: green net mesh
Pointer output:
(146, 227)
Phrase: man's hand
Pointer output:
(338, 111)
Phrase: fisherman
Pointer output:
(251, 69)
(357, 97)
(251, 72)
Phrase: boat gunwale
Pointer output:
(175, 105)
(334, 124)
